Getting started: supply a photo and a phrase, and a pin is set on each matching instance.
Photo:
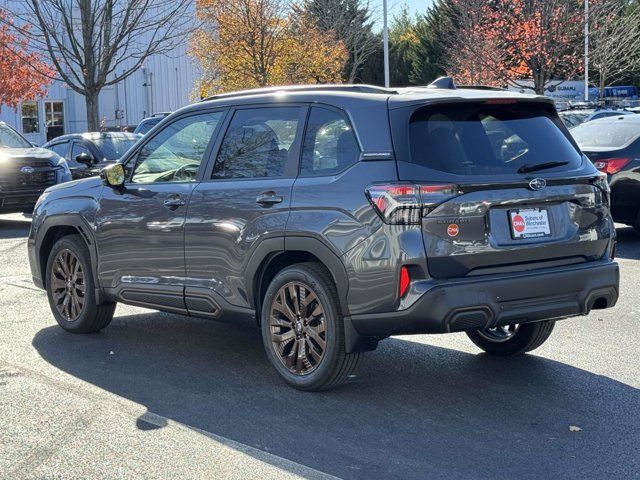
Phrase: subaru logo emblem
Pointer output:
(537, 184)
(27, 170)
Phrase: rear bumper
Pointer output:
(488, 301)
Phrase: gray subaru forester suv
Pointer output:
(335, 217)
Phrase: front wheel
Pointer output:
(512, 339)
(71, 288)
(303, 329)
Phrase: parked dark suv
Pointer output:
(338, 216)
(26, 171)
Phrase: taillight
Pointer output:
(611, 165)
(406, 203)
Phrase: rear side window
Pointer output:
(257, 143)
(486, 139)
(330, 145)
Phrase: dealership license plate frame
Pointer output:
(534, 232)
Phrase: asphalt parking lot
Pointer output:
(164, 396)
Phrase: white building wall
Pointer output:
(165, 83)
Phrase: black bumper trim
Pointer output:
(482, 302)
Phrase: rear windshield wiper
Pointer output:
(540, 166)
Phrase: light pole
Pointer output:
(385, 42)
(586, 50)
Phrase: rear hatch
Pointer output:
(520, 195)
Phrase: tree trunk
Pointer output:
(93, 115)
(539, 82)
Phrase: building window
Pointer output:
(30, 120)
(54, 119)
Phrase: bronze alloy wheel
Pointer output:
(67, 285)
(298, 328)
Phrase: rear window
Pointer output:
(614, 134)
(485, 139)
(574, 119)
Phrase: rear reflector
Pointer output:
(611, 165)
(406, 203)
(404, 281)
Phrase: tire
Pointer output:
(525, 338)
(309, 329)
(89, 317)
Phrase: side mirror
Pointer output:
(113, 176)
(85, 158)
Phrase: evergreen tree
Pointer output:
(403, 42)
(372, 71)
(432, 30)
(351, 22)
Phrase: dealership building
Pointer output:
(163, 84)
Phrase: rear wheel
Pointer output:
(71, 286)
(512, 339)
(303, 330)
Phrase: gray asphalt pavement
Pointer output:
(164, 396)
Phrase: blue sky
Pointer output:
(415, 6)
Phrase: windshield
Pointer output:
(113, 148)
(613, 134)
(9, 138)
(489, 139)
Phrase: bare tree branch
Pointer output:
(614, 40)
(97, 43)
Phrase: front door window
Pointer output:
(54, 119)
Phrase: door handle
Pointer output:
(268, 198)
(174, 201)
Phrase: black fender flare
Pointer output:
(271, 248)
(84, 229)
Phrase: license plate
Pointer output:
(529, 223)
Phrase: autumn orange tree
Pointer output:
(255, 43)
(23, 74)
(510, 40)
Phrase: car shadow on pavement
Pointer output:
(413, 411)
(628, 244)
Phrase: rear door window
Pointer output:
(257, 143)
(488, 139)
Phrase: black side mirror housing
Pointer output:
(113, 176)
(85, 158)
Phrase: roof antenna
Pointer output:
(443, 82)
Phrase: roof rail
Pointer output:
(362, 88)
(443, 82)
